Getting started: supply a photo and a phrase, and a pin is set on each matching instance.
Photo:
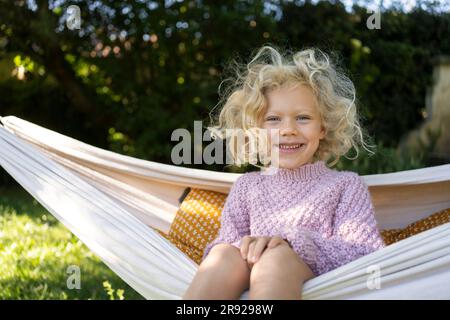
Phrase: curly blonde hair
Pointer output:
(244, 101)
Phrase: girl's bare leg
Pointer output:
(223, 275)
(278, 274)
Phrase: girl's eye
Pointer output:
(276, 118)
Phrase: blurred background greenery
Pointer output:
(137, 70)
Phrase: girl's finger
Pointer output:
(244, 246)
(251, 248)
(274, 242)
(260, 246)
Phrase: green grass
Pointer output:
(36, 250)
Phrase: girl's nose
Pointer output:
(288, 129)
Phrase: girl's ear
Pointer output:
(323, 132)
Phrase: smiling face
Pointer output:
(293, 110)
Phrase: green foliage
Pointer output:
(36, 250)
(385, 159)
(138, 70)
(110, 291)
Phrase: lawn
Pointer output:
(36, 252)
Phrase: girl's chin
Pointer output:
(291, 164)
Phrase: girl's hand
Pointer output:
(253, 247)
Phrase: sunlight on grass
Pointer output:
(36, 250)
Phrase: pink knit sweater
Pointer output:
(326, 215)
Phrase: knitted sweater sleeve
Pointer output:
(354, 233)
(235, 221)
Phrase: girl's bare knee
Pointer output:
(224, 251)
(224, 248)
(224, 265)
(280, 263)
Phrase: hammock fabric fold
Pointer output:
(116, 204)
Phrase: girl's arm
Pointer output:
(355, 233)
(235, 221)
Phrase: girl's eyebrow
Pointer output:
(299, 112)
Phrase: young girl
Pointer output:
(279, 230)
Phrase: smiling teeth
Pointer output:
(295, 146)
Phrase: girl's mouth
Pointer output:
(290, 147)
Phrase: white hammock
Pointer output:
(112, 202)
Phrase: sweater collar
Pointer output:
(305, 172)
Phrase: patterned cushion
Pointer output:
(197, 223)
(434, 220)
